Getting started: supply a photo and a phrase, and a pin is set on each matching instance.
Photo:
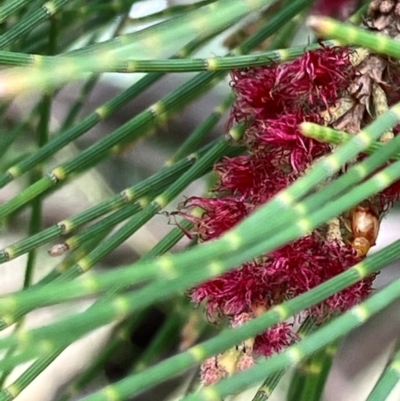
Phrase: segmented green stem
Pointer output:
(101, 113)
(171, 65)
(10, 7)
(32, 20)
(330, 135)
(349, 34)
(36, 213)
(388, 379)
(128, 196)
(152, 39)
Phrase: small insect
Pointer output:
(364, 226)
(58, 249)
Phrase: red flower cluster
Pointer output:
(283, 274)
(272, 102)
(275, 100)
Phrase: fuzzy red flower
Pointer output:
(312, 82)
(234, 292)
(220, 214)
(283, 132)
(273, 101)
(256, 178)
(285, 273)
(274, 340)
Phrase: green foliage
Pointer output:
(45, 47)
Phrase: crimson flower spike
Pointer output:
(334, 86)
